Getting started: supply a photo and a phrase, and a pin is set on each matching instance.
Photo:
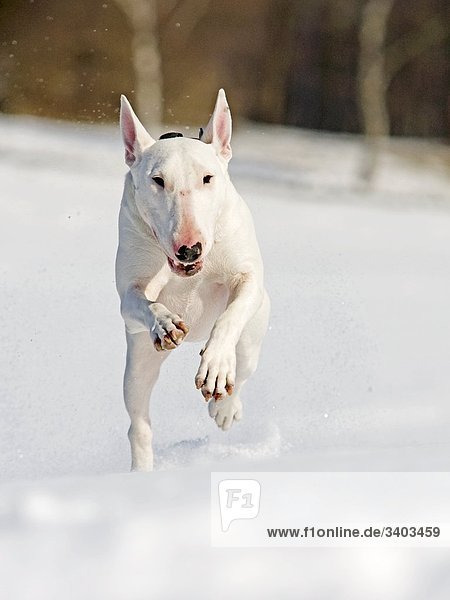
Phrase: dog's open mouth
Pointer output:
(185, 270)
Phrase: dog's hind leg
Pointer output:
(141, 372)
(229, 408)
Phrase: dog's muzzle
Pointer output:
(185, 270)
(187, 261)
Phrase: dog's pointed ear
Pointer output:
(218, 130)
(135, 137)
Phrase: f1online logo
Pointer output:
(238, 499)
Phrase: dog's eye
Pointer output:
(207, 178)
(159, 181)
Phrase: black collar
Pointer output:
(174, 134)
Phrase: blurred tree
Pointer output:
(281, 61)
(142, 16)
(371, 73)
(372, 80)
(370, 65)
(379, 63)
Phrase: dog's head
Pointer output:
(180, 184)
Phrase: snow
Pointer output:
(353, 374)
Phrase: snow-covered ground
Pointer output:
(354, 373)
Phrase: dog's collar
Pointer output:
(174, 134)
(170, 134)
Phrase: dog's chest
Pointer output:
(199, 303)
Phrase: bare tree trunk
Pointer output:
(142, 17)
(378, 66)
(372, 81)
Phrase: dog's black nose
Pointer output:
(189, 255)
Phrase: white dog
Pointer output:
(188, 268)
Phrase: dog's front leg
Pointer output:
(141, 374)
(217, 372)
(150, 326)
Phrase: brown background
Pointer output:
(285, 61)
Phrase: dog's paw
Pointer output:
(168, 330)
(216, 373)
(225, 411)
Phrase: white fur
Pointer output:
(224, 302)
